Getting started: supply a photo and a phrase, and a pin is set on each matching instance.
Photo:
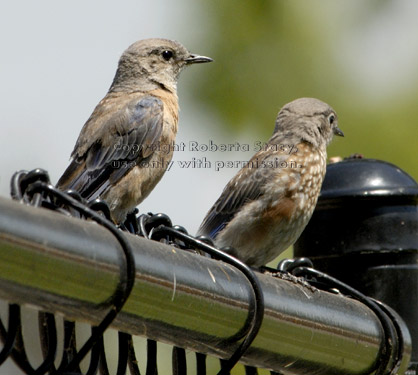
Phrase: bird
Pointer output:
(265, 207)
(127, 143)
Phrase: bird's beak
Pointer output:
(195, 59)
(338, 131)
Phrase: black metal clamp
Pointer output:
(34, 188)
(393, 348)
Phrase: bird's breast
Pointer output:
(294, 190)
(171, 109)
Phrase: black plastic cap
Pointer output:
(365, 205)
(365, 178)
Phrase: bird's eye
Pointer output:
(331, 119)
(167, 55)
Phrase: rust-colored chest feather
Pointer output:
(296, 187)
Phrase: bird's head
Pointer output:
(153, 63)
(309, 120)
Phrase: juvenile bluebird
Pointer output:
(265, 207)
(127, 143)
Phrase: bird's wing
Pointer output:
(246, 186)
(128, 136)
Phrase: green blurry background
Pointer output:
(359, 56)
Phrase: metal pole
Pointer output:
(71, 266)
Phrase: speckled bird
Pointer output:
(265, 207)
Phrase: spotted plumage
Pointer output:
(265, 207)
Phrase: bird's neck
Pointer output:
(132, 80)
(143, 85)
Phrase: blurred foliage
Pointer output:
(269, 52)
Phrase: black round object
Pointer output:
(364, 231)
(365, 205)
(366, 178)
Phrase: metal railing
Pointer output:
(70, 266)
